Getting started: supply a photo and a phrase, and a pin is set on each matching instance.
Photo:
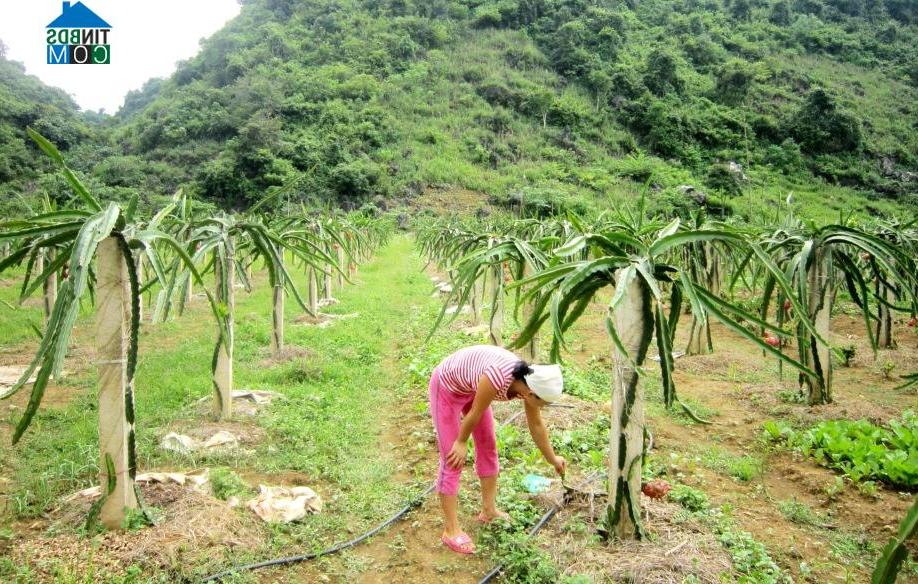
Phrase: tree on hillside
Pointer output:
(602, 84)
(820, 127)
(568, 51)
(662, 74)
(781, 13)
(740, 9)
(539, 101)
(734, 79)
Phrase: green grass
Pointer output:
(653, 395)
(797, 512)
(19, 321)
(741, 467)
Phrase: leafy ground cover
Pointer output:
(860, 450)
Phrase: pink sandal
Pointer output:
(461, 544)
(501, 516)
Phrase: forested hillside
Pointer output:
(549, 102)
(26, 101)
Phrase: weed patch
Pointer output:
(225, 483)
(586, 445)
(743, 468)
(750, 557)
(797, 512)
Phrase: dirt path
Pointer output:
(410, 550)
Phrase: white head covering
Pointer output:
(546, 381)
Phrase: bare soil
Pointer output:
(451, 199)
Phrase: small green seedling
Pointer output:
(886, 369)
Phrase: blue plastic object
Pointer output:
(536, 484)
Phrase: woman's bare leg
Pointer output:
(450, 506)
(489, 497)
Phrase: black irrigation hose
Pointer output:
(535, 529)
(348, 544)
(494, 573)
(327, 552)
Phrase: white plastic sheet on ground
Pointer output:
(285, 504)
(197, 480)
(256, 396)
(222, 438)
(185, 444)
(676, 355)
(9, 376)
(330, 319)
(178, 443)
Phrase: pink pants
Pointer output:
(446, 409)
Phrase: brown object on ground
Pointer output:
(288, 353)
(656, 489)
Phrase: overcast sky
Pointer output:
(147, 39)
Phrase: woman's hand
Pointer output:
(456, 456)
(560, 465)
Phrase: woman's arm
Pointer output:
(483, 398)
(540, 437)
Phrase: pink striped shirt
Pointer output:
(460, 372)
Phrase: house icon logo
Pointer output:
(78, 36)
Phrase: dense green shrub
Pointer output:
(734, 80)
(357, 179)
(785, 157)
(662, 73)
(724, 180)
(820, 127)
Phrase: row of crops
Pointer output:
(775, 287)
(112, 255)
